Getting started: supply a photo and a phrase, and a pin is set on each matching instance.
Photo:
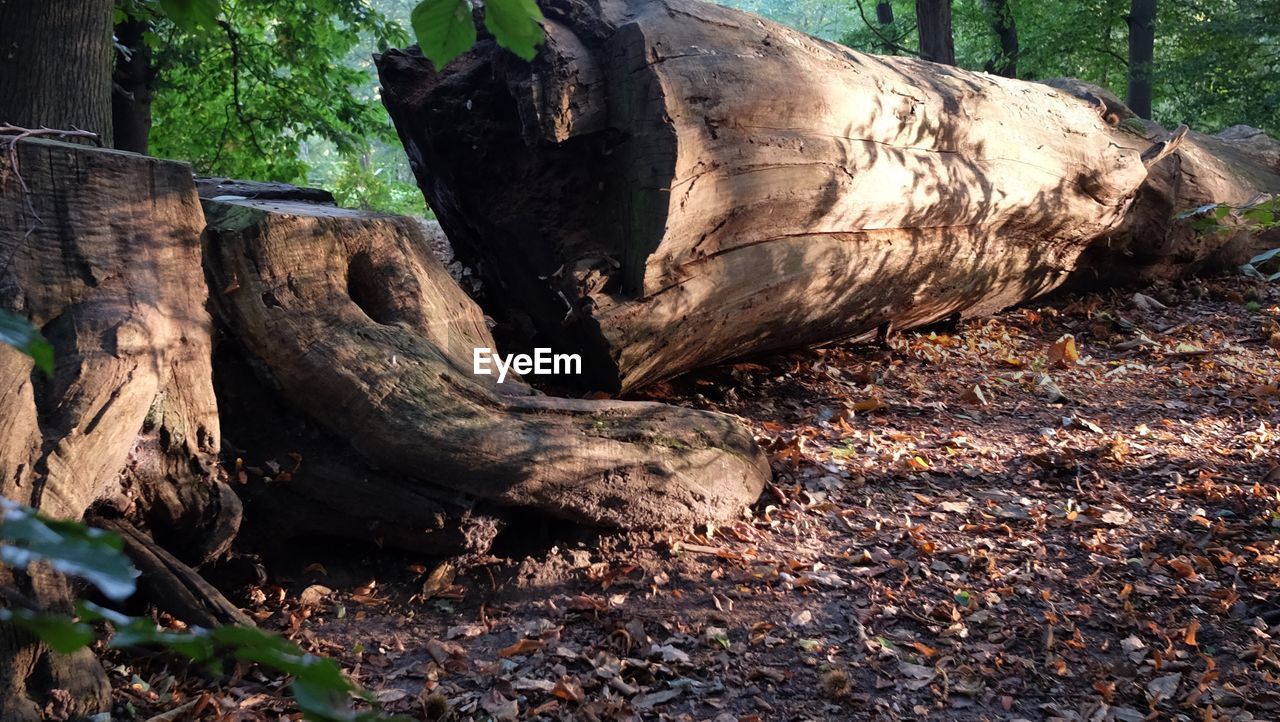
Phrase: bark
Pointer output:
(348, 315)
(132, 87)
(55, 67)
(884, 13)
(615, 199)
(1235, 167)
(1142, 45)
(101, 251)
(1006, 29)
(937, 41)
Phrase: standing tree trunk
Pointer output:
(613, 198)
(1142, 45)
(131, 90)
(1002, 24)
(937, 42)
(55, 64)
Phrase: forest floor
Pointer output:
(990, 523)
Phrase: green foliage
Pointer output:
(823, 18)
(1260, 215)
(71, 548)
(18, 332)
(372, 183)
(515, 25)
(62, 633)
(241, 101)
(445, 30)
(192, 15)
(320, 689)
(1217, 62)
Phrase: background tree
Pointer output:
(1142, 48)
(40, 42)
(1005, 27)
(1216, 63)
(242, 96)
(937, 43)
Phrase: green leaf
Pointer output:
(444, 29)
(1261, 215)
(1263, 257)
(191, 15)
(20, 334)
(69, 547)
(62, 633)
(516, 25)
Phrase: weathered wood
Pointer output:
(671, 184)
(359, 327)
(101, 250)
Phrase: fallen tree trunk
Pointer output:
(101, 251)
(350, 317)
(671, 184)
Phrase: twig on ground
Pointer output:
(13, 135)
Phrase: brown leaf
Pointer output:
(569, 690)
(440, 579)
(524, 646)
(1064, 353)
(1190, 636)
(1183, 568)
(871, 404)
(924, 649)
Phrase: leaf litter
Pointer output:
(1068, 512)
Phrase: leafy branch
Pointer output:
(445, 29)
(1261, 214)
(320, 689)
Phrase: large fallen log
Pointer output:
(671, 183)
(358, 326)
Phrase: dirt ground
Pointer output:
(993, 522)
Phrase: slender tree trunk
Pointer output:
(1002, 23)
(884, 13)
(884, 16)
(1142, 44)
(55, 64)
(131, 92)
(933, 18)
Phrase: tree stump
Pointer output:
(101, 250)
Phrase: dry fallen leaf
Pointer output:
(974, 395)
(440, 579)
(1165, 687)
(1190, 637)
(871, 404)
(1064, 353)
(524, 646)
(569, 690)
